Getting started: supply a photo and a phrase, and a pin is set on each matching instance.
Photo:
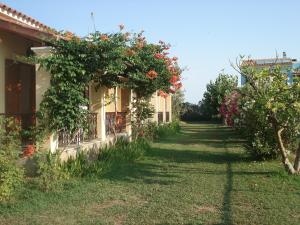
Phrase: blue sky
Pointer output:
(205, 35)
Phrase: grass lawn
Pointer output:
(201, 176)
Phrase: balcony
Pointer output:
(115, 123)
(84, 134)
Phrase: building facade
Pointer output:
(23, 85)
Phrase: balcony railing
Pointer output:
(87, 133)
(115, 126)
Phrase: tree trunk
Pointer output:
(284, 156)
(297, 160)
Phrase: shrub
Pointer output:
(11, 176)
(82, 166)
(50, 171)
(167, 129)
(122, 151)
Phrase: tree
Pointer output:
(177, 105)
(215, 94)
(277, 106)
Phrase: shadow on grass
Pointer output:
(137, 172)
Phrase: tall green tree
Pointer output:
(215, 94)
(177, 105)
(277, 104)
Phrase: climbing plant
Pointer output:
(119, 59)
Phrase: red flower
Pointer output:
(68, 35)
(163, 94)
(174, 79)
(104, 37)
(130, 52)
(151, 74)
(158, 56)
(29, 150)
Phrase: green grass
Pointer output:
(201, 176)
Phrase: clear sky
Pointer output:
(205, 35)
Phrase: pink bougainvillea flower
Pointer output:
(174, 59)
(151, 74)
(104, 37)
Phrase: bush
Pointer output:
(50, 172)
(167, 129)
(11, 176)
(122, 151)
(82, 166)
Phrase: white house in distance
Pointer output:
(22, 86)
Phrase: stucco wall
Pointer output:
(161, 104)
(11, 46)
(122, 100)
(108, 99)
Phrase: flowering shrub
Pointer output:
(106, 59)
(271, 113)
(215, 94)
(229, 109)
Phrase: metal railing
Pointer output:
(87, 133)
(115, 123)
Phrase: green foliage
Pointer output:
(84, 166)
(177, 105)
(142, 110)
(124, 151)
(168, 129)
(191, 112)
(11, 176)
(95, 164)
(50, 172)
(215, 94)
(270, 112)
(109, 60)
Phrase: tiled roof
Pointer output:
(22, 19)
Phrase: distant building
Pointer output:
(288, 65)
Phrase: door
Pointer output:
(20, 92)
